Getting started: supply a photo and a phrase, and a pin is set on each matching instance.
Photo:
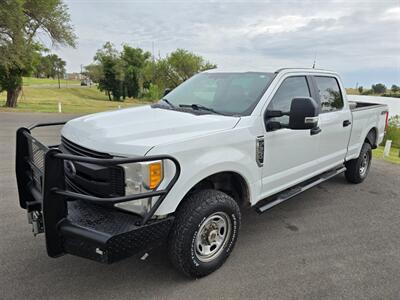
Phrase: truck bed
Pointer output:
(365, 116)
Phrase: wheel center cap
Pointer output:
(212, 236)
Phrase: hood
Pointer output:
(134, 131)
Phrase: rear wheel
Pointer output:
(204, 232)
(357, 169)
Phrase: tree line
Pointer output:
(134, 72)
(48, 66)
(379, 88)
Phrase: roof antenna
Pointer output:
(315, 60)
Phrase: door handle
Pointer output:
(346, 123)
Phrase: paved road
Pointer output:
(334, 241)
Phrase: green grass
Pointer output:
(393, 155)
(28, 81)
(73, 99)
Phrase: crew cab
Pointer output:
(177, 173)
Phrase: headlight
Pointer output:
(141, 178)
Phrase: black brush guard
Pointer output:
(75, 223)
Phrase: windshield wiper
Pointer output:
(168, 102)
(201, 107)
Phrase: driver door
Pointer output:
(291, 156)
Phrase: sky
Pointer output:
(358, 39)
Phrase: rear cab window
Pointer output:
(329, 93)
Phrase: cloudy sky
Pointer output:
(359, 39)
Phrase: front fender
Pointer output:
(200, 160)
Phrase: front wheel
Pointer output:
(357, 169)
(204, 233)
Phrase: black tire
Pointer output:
(357, 171)
(192, 218)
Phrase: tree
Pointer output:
(111, 80)
(378, 88)
(119, 74)
(49, 66)
(181, 64)
(175, 68)
(36, 64)
(20, 23)
(133, 59)
(94, 72)
(59, 68)
(395, 88)
(360, 89)
(131, 73)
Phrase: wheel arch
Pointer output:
(372, 137)
(232, 183)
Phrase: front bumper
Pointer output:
(80, 224)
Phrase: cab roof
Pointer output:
(279, 71)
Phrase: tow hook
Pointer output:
(36, 219)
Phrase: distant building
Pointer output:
(75, 76)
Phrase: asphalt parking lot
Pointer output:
(334, 241)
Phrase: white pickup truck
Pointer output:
(179, 171)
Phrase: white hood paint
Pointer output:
(134, 131)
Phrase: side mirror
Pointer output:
(273, 114)
(303, 114)
(166, 91)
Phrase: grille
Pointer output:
(89, 178)
(36, 154)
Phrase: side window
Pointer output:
(329, 93)
(291, 87)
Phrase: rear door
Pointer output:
(334, 120)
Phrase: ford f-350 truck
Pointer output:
(179, 171)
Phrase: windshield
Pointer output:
(225, 93)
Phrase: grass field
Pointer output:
(28, 81)
(73, 100)
(393, 156)
(388, 93)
